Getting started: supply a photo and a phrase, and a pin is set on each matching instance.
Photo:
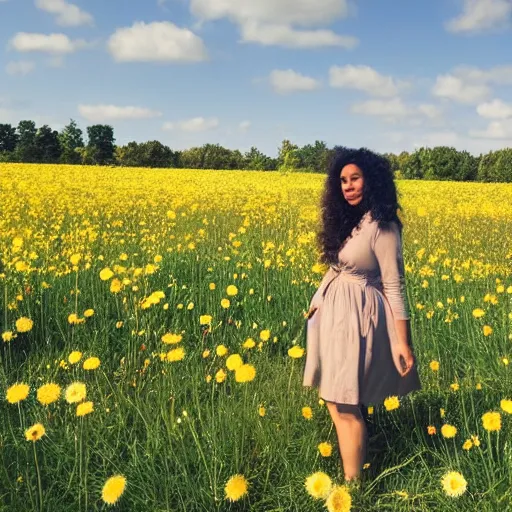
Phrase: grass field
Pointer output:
(174, 298)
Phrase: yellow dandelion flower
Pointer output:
(205, 319)
(84, 408)
(475, 440)
(307, 413)
(88, 312)
(236, 487)
(478, 313)
(206, 353)
(75, 259)
(391, 403)
(370, 410)
(434, 366)
(171, 338)
(17, 392)
(454, 386)
(221, 350)
(448, 431)
(212, 286)
(176, 354)
(454, 484)
(432, 431)
(233, 362)
(468, 444)
(491, 421)
(245, 373)
(295, 352)
(225, 303)
(339, 499)
(249, 343)
(220, 376)
(75, 392)
(48, 393)
(487, 330)
(318, 485)
(8, 336)
(74, 357)
(115, 285)
(24, 324)
(265, 335)
(106, 274)
(262, 411)
(91, 363)
(35, 432)
(113, 489)
(325, 449)
(231, 290)
(506, 405)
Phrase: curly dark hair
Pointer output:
(339, 218)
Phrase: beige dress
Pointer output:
(349, 336)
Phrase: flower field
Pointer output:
(153, 343)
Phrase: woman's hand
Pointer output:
(403, 358)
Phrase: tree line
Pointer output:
(28, 144)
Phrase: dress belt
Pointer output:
(370, 313)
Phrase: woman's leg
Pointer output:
(352, 437)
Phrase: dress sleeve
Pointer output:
(388, 251)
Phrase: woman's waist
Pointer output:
(348, 274)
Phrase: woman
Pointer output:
(358, 332)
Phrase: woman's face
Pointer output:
(352, 182)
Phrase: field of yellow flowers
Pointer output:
(153, 345)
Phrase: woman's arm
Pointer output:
(388, 251)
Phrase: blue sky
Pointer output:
(389, 75)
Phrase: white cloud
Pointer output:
(244, 126)
(495, 109)
(388, 109)
(430, 111)
(286, 81)
(284, 35)
(364, 78)
(48, 43)
(494, 130)
(159, 41)
(393, 110)
(480, 15)
(303, 12)
(446, 138)
(196, 124)
(499, 75)
(459, 90)
(100, 113)
(21, 67)
(67, 14)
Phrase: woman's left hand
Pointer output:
(403, 358)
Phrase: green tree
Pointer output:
(100, 145)
(47, 145)
(192, 158)
(255, 160)
(314, 157)
(146, 154)
(8, 138)
(26, 149)
(71, 139)
(496, 166)
(413, 167)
